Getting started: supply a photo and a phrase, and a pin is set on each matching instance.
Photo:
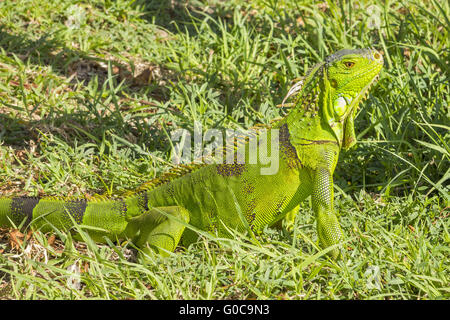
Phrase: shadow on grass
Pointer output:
(80, 67)
(50, 50)
(84, 124)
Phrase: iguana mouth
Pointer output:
(360, 97)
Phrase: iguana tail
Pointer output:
(104, 216)
(101, 217)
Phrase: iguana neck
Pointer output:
(308, 122)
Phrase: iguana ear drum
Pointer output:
(333, 83)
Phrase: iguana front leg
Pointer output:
(328, 228)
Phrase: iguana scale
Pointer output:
(233, 196)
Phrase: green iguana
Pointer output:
(219, 197)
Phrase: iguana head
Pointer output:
(347, 77)
(332, 90)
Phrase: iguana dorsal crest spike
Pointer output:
(303, 85)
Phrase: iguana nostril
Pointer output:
(377, 56)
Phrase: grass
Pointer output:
(89, 89)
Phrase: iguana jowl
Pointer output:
(222, 197)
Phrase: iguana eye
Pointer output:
(349, 64)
